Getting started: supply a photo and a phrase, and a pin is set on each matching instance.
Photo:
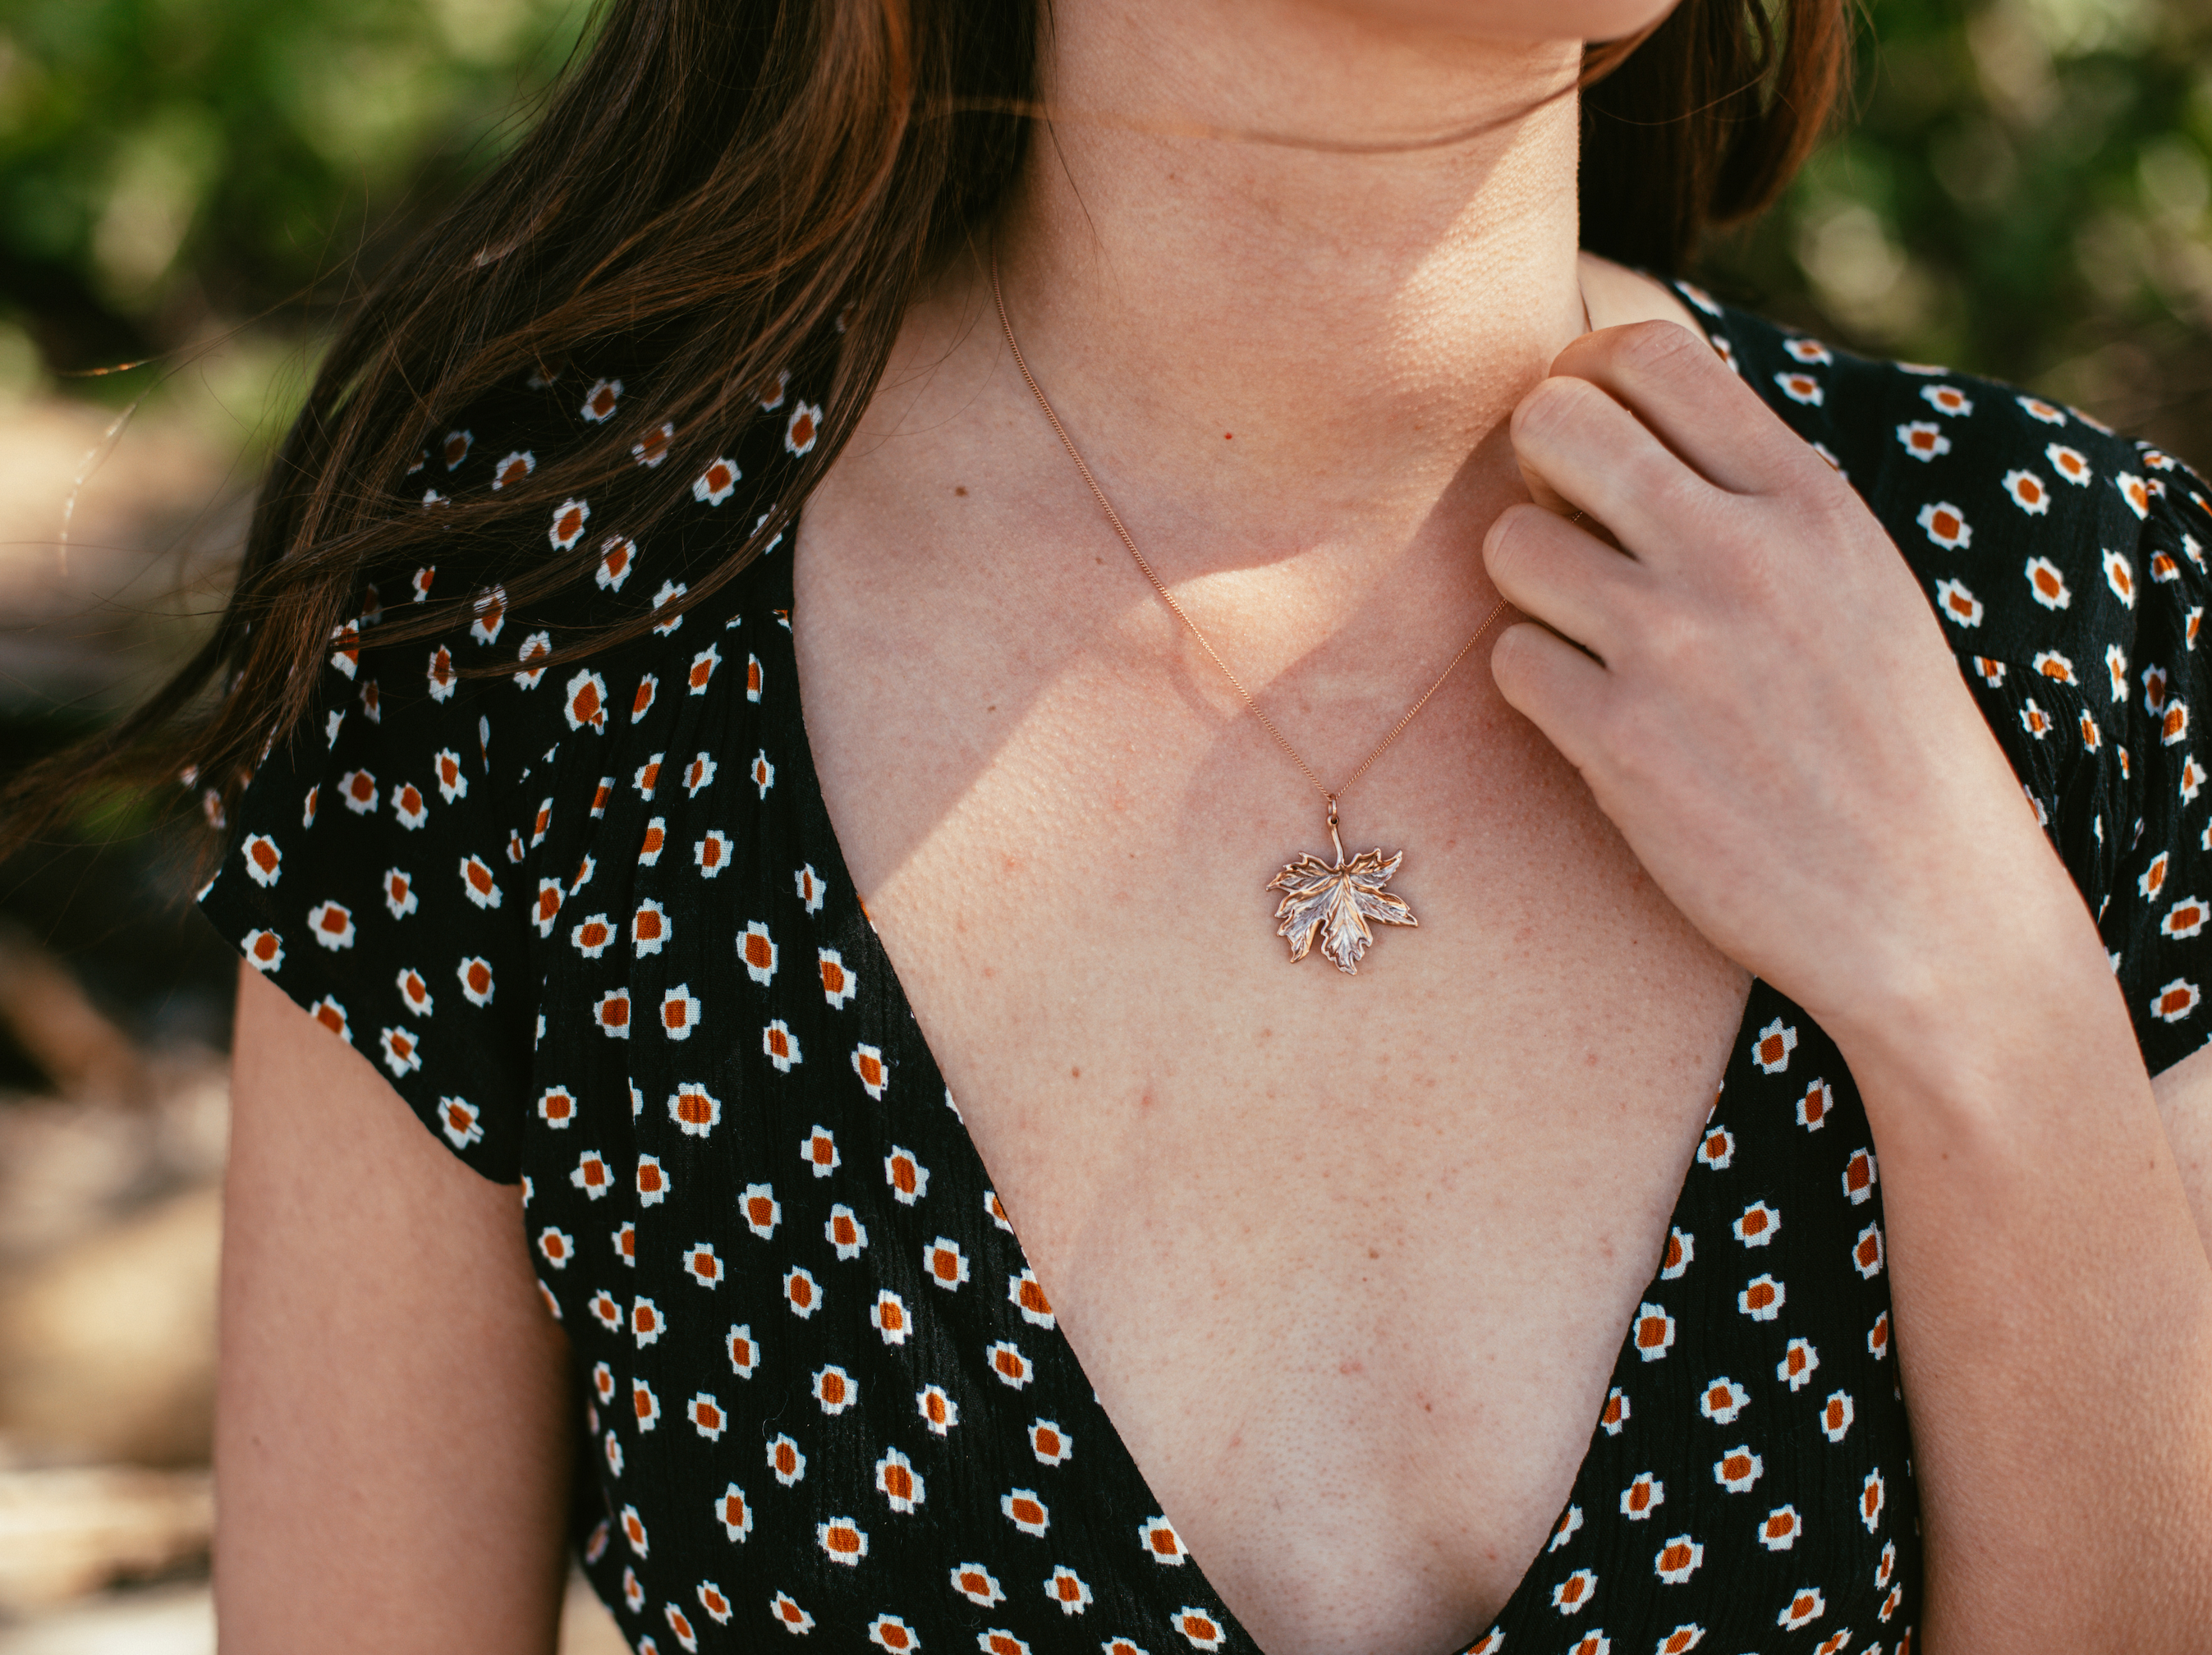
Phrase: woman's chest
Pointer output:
(1336, 1305)
(1347, 1257)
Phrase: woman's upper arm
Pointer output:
(392, 1431)
(2184, 1102)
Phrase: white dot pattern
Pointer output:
(594, 924)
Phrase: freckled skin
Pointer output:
(1224, 1194)
(1230, 1119)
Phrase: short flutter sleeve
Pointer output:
(2157, 918)
(371, 877)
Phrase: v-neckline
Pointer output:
(779, 598)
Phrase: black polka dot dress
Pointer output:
(592, 923)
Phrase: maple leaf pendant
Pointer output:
(1335, 902)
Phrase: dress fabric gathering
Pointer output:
(592, 923)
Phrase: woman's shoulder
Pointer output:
(2067, 564)
(383, 863)
(2040, 533)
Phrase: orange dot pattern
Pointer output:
(594, 924)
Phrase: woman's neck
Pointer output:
(1284, 342)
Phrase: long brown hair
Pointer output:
(750, 185)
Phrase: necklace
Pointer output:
(1334, 901)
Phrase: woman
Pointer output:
(1705, 1185)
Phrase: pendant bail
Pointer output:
(1335, 839)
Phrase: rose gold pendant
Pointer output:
(1335, 902)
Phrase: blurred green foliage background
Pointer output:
(171, 170)
(2022, 190)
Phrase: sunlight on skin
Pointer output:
(987, 694)
(1408, 308)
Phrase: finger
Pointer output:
(1599, 456)
(1561, 507)
(1547, 496)
(1693, 402)
(1557, 573)
(1552, 684)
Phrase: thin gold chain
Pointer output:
(1251, 705)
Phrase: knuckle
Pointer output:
(1515, 660)
(1509, 650)
(1633, 744)
(1550, 407)
(1507, 547)
(1761, 559)
(1670, 640)
(1834, 514)
(1657, 346)
(1669, 488)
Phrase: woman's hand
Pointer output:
(1760, 698)
(1757, 691)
